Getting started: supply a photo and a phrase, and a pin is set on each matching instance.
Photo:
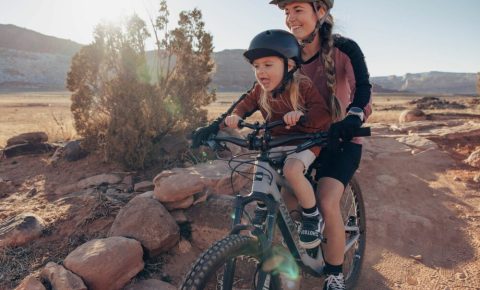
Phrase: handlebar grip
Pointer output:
(302, 119)
(240, 124)
(363, 132)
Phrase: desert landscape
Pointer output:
(420, 184)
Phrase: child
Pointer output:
(280, 93)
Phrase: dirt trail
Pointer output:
(423, 229)
(423, 210)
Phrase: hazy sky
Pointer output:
(397, 36)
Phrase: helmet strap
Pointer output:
(309, 39)
(287, 76)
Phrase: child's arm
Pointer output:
(245, 108)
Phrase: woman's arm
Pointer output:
(357, 74)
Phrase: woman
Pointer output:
(337, 67)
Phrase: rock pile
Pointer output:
(434, 103)
(147, 226)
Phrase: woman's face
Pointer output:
(301, 19)
(268, 72)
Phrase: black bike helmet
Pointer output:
(275, 42)
(282, 3)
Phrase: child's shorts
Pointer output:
(306, 156)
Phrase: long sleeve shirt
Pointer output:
(316, 111)
(353, 88)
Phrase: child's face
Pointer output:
(268, 72)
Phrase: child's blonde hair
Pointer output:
(292, 90)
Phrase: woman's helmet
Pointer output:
(282, 3)
(280, 43)
(275, 42)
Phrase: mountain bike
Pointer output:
(251, 257)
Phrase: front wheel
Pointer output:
(239, 254)
(353, 214)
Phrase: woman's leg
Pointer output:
(330, 192)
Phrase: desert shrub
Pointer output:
(124, 109)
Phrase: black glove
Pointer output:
(202, 133)
(343, 130)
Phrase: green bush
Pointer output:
(124, 109)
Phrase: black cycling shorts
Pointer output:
(340, 165)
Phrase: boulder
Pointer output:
(417, 142)
(61, 279)
(474, 159)
(181, 204)
(412, 115)
(106, 264)
(151, 284)
(146, 220)
(20, 230)
(73, 151)
(32, 138)
(30, 283)
(27, 148)
(211, 178)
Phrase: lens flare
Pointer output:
(282, 262)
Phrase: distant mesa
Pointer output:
(17, 38)
(31, 61)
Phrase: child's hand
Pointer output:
(291, 118)
(232, 121)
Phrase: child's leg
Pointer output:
(293, 171)
(310, 230)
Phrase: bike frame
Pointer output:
(265, 188)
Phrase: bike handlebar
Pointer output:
(258, 143)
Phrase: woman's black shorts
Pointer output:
(341, 164)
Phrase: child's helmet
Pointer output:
(275, 42)
(282, 3)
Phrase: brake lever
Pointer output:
(216, 146)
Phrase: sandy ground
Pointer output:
(423, 219)
(423, 211)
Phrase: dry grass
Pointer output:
(387, 107)
(50, 112)
(28, 112)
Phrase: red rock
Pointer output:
(146, 220)
(20, 230)
(30, 283)
(62, 279)
(106, 264)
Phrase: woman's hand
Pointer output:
(291, 118)
(232, 121)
